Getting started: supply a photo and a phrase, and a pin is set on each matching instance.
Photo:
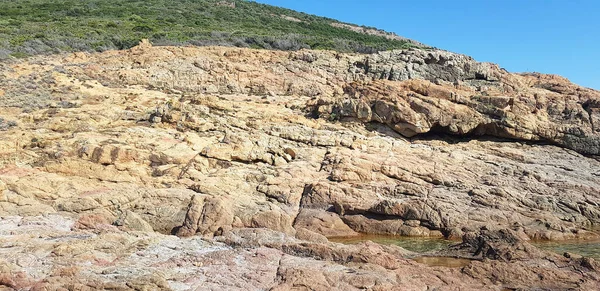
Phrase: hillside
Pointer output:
(40, 26)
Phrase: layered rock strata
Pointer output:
(229, 168)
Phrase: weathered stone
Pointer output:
(192, 217)
(176, 144)
(325, 223)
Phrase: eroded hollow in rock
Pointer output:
(483, 132)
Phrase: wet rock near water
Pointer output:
(499, 244)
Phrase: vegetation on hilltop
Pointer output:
(29, 27)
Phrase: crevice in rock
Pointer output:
(308, 188)
(587, 107)
(483, 132)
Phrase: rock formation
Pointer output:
(223, 168)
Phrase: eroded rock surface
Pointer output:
(221, 168)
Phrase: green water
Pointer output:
(586, 248)
(443, 262)
(414, 244)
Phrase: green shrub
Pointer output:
(49, 26)
(19, 55)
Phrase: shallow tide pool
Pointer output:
(587, 248)
(414, 244)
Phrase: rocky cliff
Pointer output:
(215, 168)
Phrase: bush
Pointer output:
(19, 55)
(4, 54)
(6, 124)
(50, 26)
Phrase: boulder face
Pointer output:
(170, 162)
(412, 91)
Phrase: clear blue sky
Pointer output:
(548, 36)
